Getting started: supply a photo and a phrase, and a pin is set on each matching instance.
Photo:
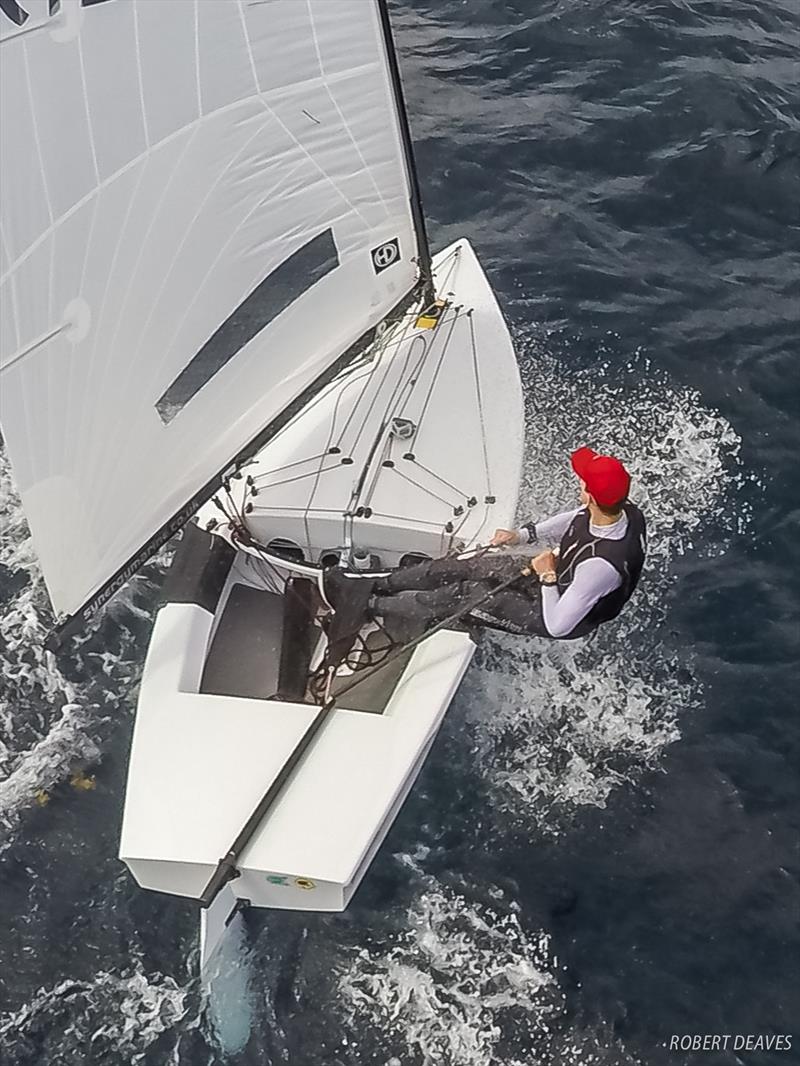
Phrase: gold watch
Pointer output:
(549, 577)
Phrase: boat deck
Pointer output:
(245, 655)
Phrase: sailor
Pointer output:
(588, 582)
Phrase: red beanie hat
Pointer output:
(606, 478)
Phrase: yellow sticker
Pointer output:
(429, 318)
(304, 882)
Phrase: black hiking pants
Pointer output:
(419, 596)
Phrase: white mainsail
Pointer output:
(205, 203)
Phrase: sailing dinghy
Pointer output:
(219, 307)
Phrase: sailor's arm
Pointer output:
(594, 578)
(549, 529)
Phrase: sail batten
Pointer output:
(205, 206)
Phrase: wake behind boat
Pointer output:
(221, 297)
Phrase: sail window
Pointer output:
(279, 289)
(11, 9)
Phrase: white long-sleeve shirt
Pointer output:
(593, 577)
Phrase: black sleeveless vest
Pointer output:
(625, 555)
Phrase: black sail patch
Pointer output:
(385, 255)
(279, 289)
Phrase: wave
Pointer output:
(57, 712)
(559, 725)
(118, 1015)
(464, 983)
(552, 728)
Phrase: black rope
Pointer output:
(457, 616)
(231, 518)
(360, 657)
(226, 488)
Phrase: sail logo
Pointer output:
(385, 254)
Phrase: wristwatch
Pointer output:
(549, 577)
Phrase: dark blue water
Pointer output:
(602, 851)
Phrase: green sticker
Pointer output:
(276, 879)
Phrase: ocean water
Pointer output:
(602, 850)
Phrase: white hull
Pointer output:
(209, 740)
(200, 763)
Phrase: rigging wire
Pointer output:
(361, 655)
(422, 488)
(432, 386)
(408, 385)
(479, 400)
(376, 379)
(387, 342)
(459, 492)
(286, 466)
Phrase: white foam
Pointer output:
(67, 745)
(50, 725)
(555, 727)
(465, 984)
(117, 1015)
(43, 725)
(559, 725)
(682, 455)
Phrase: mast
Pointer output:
(417, 212)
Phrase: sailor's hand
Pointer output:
(544, 563)
(504, 536)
